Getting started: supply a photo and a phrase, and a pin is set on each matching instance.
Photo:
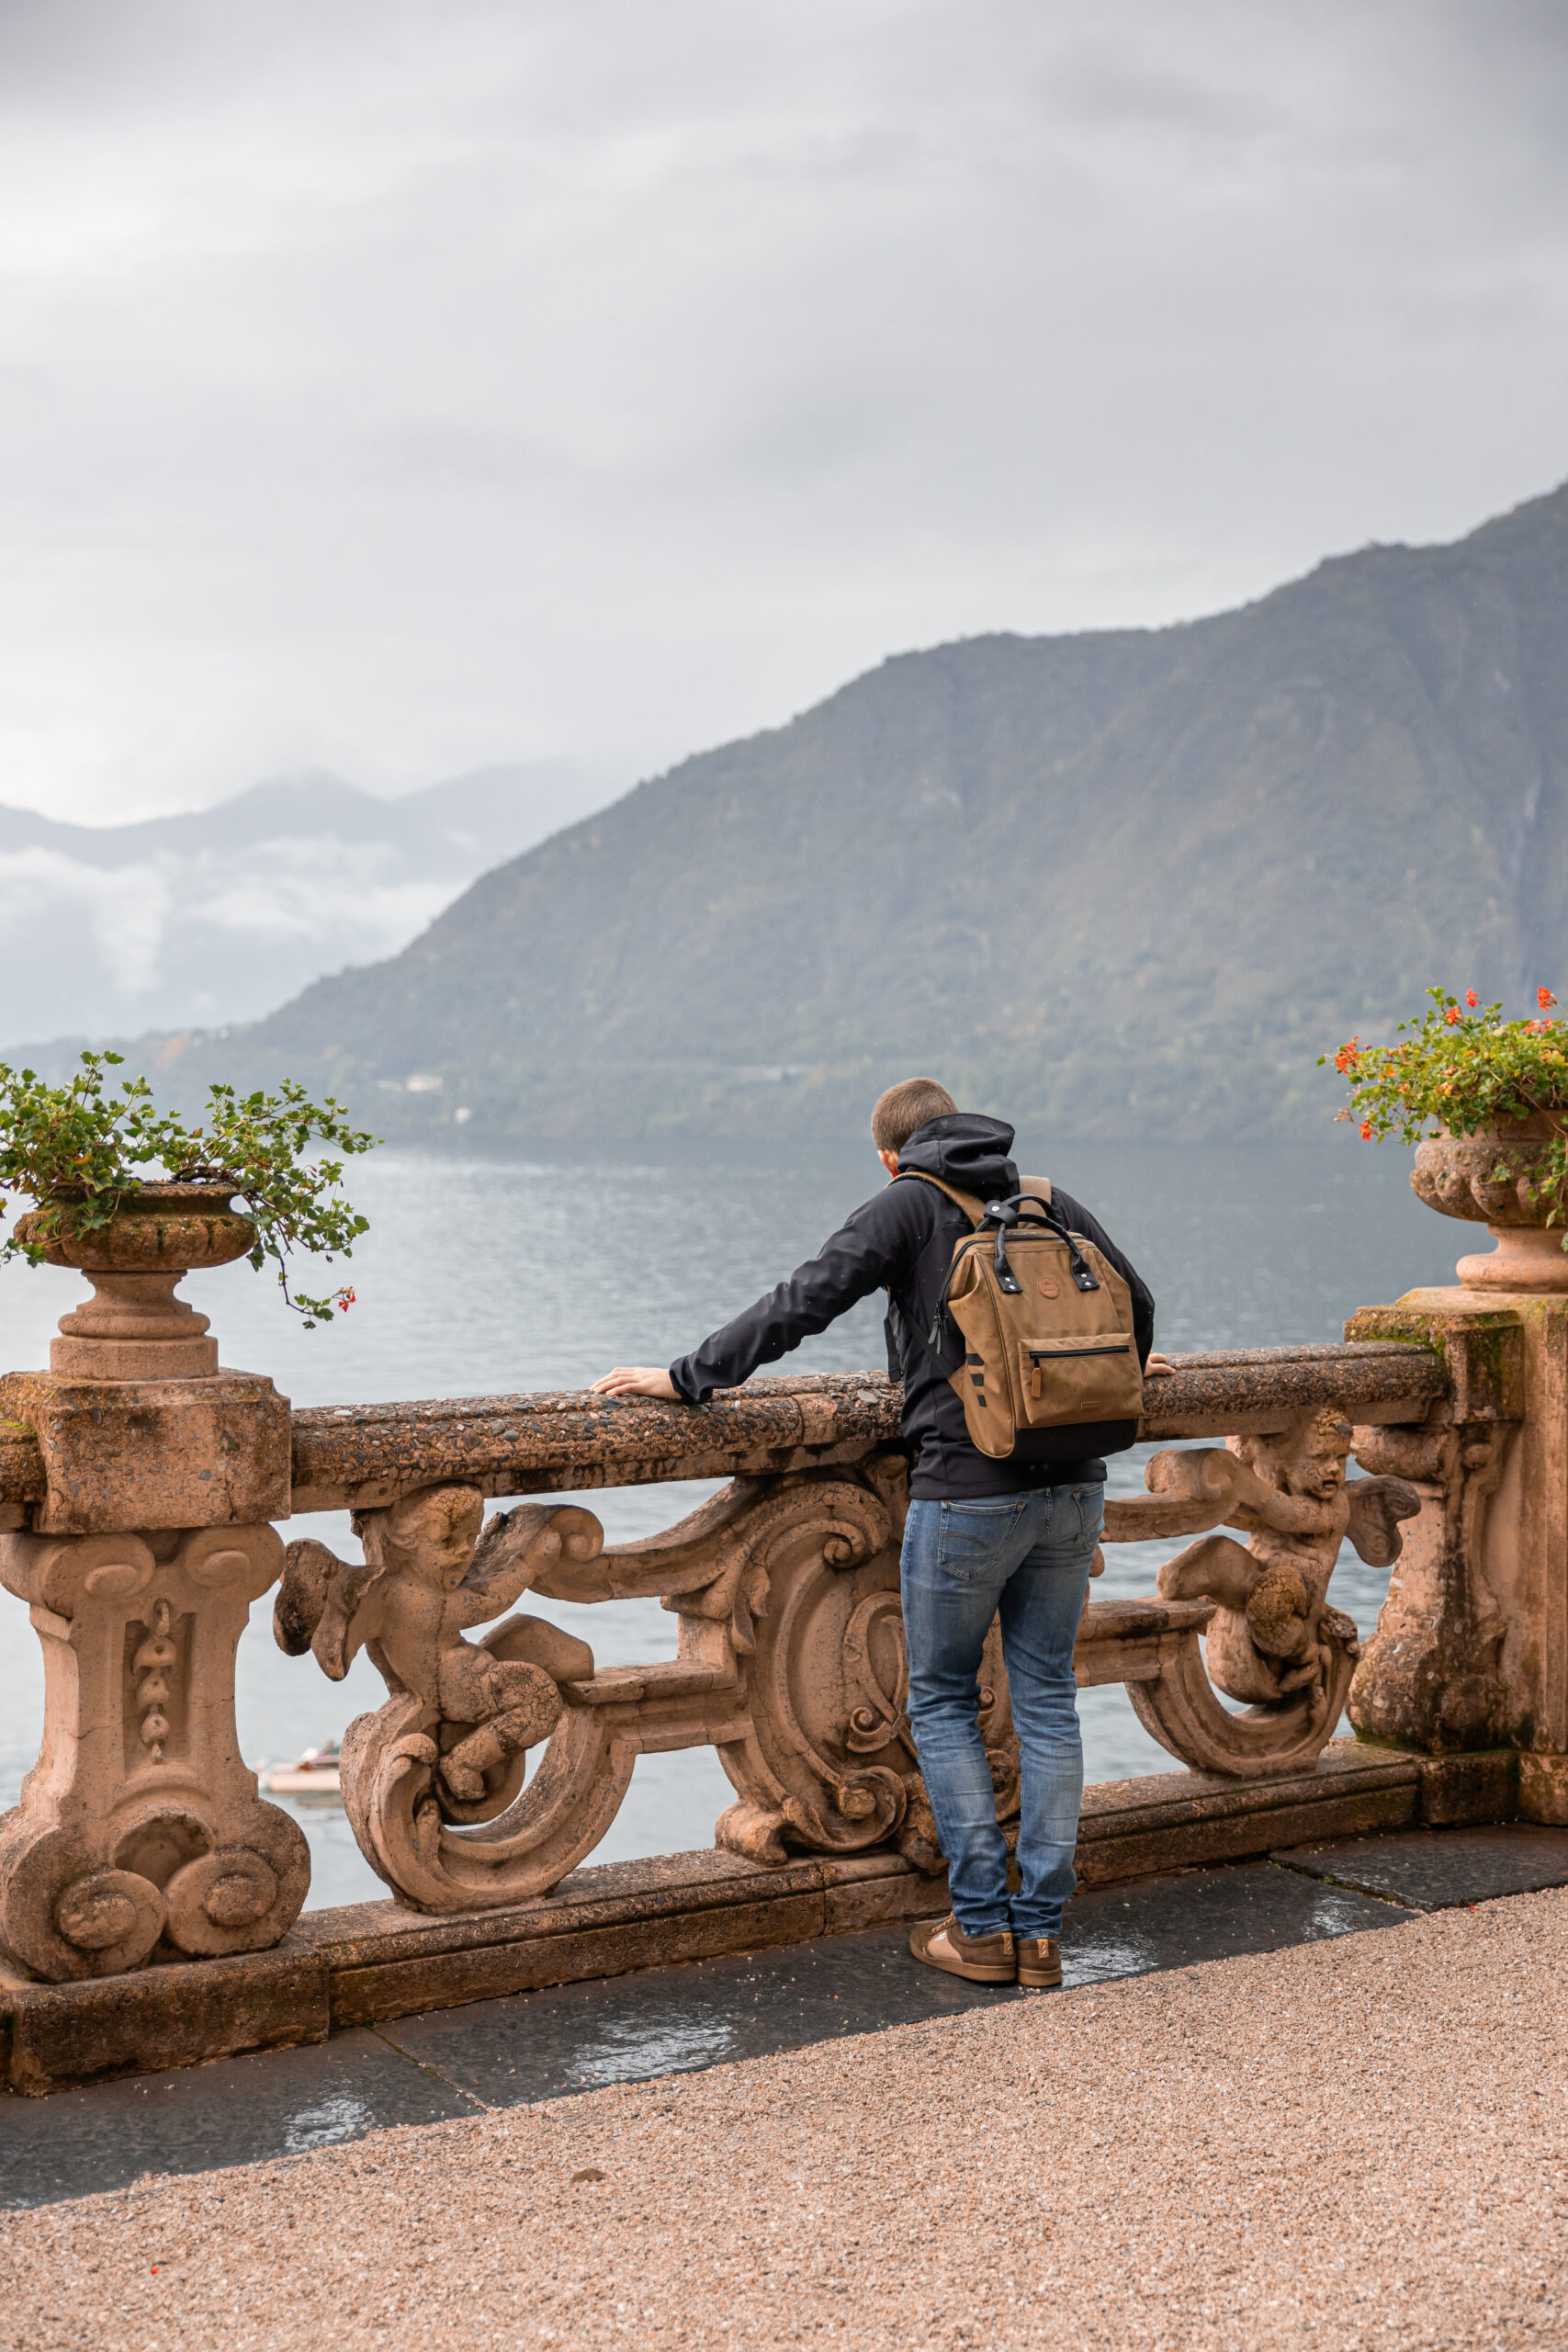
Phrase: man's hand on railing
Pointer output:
(636, 1380)
(1156, 1365)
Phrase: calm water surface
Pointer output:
(483, 1275)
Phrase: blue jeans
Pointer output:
(1024, 1558)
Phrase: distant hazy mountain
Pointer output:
(219, 915)
(1129, 883)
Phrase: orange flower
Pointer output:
(1472, 998)
(1366, 1131)
(1451, 1015)
(1544, 997)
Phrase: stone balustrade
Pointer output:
(140, 1530)
(790, 1656)
(139, 1519)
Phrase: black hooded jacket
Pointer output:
(902, 1241)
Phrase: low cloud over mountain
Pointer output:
(219, 916)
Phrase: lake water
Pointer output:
(482, 1275)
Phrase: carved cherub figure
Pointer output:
(428, 1573)
(1274, 1633)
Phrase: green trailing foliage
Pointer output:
(1464, 1068)
(80, 1149)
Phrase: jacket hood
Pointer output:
(966, 1151)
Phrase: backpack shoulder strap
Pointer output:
(972, 1205)
(1041, 1185)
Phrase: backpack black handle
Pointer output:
(1003, 1214)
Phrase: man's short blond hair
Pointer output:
(904, 1108)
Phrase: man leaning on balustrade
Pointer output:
(1008, 1537)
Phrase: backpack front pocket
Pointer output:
(1096, 1378)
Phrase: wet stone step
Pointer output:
(1438, 1870)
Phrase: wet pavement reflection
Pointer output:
(236, 2111)
(664, 2022)
(655, 2025)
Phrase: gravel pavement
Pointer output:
(1356, 2142)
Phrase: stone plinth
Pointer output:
(140, 1829)
(150, 1453)
(1472, 1646)
(140, 1536)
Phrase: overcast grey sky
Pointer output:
(402, 387)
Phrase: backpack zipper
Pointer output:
(1039, 1357)
(1111, 1348)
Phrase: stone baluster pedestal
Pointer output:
(1472, 1646)
(140, 1835)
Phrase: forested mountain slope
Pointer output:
(1129, 882)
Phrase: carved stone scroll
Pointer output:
(448, 1753)
(828, 1762)
(1273, 1640)
(140, 1831)
(790, 1663)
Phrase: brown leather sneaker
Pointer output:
(1039, 1960)
(984, 1959)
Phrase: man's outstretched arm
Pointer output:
(865, 1253)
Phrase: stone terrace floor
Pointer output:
(1318, 2100)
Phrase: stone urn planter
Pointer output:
(1489, 1179)
(133, 1327)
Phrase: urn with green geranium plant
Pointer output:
(134, 1197)
(1484, 1101)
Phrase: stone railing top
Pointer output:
(556, 1441)
(561, 1440)
(1248, 1392)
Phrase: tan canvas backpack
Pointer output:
(1046, 1319)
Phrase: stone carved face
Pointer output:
(1311, 1465)
(429, 1536)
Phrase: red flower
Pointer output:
(1349, 1056)
(1470, 998)
(1451, 1015)
(1366, 1131)
(1544, 997)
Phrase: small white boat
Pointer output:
(314, 1775)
